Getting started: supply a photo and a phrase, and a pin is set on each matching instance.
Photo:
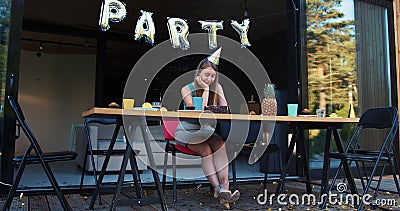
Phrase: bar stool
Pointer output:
(171, 147)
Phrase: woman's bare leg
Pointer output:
(207, 163)
(215, 166)
(220, 159)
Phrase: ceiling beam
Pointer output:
(73, 31)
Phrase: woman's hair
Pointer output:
(213, 95)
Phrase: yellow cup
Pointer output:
(128, 103)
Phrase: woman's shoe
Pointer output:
(225, 204)
(225, 196)
(216, 193)
(234, 196)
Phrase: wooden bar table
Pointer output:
(299, 124)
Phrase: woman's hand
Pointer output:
(201, 83)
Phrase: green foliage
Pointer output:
(269, 91)
(331, 55)
(5, 16)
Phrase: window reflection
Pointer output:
(331, 57)
(4, 33)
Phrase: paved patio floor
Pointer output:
(200, 198)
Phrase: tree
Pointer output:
(331, 55)
(4, 35)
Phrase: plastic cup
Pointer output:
(292, 109)
(198, 103)
(320, 113)
(128, 103)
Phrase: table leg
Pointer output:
(121, 176)
(285, 166)
(90, 147)
(326, 167)
(306, 167)
(153, 167)
(105, 164)
(346, 165)
(291, 146)
(136, 175)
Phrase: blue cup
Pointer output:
(292, 109)
(198, 103)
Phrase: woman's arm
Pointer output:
(221, 96)
(206, 91)
(205, 95)
(187, 95)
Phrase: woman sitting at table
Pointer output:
(201, 138)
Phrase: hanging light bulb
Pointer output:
(39, 54)
(246, 13)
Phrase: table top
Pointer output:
(96, 111)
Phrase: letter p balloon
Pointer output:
(111, 10)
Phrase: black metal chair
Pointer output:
(38, 157)
(373, 119)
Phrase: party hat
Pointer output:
(214, 58)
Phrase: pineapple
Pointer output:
(269, 105)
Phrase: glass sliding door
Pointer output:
(5, 10)
(349, 66)
(331, 66)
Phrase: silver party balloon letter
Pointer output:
(242, 29)
(111, 10)
(212, 27)
(178, 31)
(145, 27)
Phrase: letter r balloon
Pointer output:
(178, 31)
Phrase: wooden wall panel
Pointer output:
(372, 61)
(372, 56)
(396, 11)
